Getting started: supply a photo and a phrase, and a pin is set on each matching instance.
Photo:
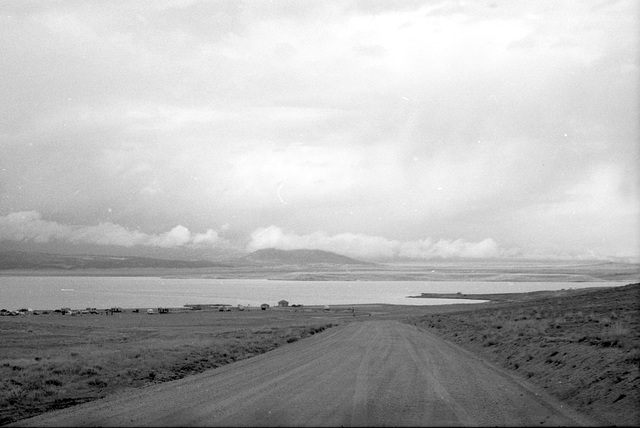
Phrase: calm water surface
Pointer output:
(139, 292)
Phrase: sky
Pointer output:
(374, 129)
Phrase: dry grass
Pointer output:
(584, 349)
(50, 365)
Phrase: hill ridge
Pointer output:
(300, 256)
(42, 260)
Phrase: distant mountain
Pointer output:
(33, 260)
(299, 257)
(37, 260)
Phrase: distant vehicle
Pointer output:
(149, 311)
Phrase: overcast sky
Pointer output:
(371, 128)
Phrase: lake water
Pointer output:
(39, 292)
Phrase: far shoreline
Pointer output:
(391, 275)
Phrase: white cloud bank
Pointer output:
(29, 226)
(375, 247)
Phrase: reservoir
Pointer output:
(42, 292)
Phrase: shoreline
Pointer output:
(577, 272)
(372, 277)
(509, 297)
(482, 299)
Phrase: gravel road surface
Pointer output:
(374, 373)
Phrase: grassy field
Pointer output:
(54, 361)
(582, 347)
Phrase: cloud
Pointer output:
(392, 121)
(363, 246)
(29, 226)
(444, 248)
(373, 247)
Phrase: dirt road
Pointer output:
(374, 373)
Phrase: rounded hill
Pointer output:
(298, 257)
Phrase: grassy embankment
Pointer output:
(46, 365)
(583, 348)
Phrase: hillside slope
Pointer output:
(583, 348)
(36, 260)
